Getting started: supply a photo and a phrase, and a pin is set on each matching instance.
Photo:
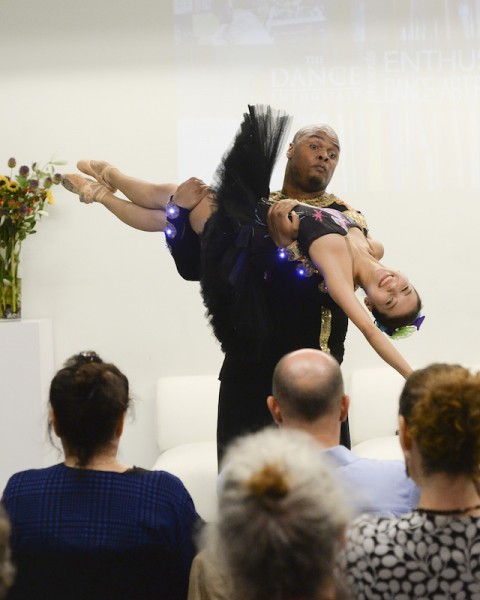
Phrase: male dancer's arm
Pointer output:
(185, 248)
(184, 244)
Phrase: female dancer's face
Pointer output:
(391, 293)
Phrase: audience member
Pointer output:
(274, 539)
(432, 552)
(91, 526)
(308, 394)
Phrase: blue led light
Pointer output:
(170, 231)
(282, 253)
(301, 271)
(172, 210)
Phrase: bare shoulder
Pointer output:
(332, 257)
(331, 246)
(376, 247)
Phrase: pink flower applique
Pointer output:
(337, 217)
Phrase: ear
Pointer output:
(274, 409)
(290, 150)
(405, 438)
(368, 304)
(345, 405)
(121, 423)
(54, 422)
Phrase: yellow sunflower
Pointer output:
(50, 198)
(3, 180)
(12, 186)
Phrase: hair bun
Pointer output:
(269, 483)
(89, 379)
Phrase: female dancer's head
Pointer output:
(88, 400)
(440, 415)
(392, 299)
(281, 518)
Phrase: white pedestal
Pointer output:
(26, 369)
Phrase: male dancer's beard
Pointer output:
(317, 184)
(312, 185)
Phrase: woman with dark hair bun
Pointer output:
(89, 400)
(93, 527)
(434, 551)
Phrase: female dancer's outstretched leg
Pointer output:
(145, 208)
(140, 192)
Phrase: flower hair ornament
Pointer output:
(406, 331)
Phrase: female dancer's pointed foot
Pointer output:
(88, 190)
(99, 170)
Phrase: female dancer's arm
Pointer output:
(351, 306)
(336, 267)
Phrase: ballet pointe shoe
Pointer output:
(88, 190)
(99, 170)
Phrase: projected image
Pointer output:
(395, 72)
(263, 22)
(237, 22)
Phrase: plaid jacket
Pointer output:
(128, 527)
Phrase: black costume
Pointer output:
(259, 307)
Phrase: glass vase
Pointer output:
(10, 282)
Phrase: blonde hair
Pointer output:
(281, 516)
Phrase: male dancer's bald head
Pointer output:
(322, 129)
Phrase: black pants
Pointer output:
(242, 408)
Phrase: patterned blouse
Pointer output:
(414, 556)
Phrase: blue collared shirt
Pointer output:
(379, 487)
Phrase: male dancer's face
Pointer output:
(313, 156)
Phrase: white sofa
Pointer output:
(373, 414)
(187, 419)
(186, 436)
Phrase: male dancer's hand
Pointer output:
(191, 192)
(283, 223)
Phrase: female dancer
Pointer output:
(347, 257)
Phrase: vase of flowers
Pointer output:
(23, 197)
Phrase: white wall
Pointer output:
(399, 81)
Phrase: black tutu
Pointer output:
(233, 291)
